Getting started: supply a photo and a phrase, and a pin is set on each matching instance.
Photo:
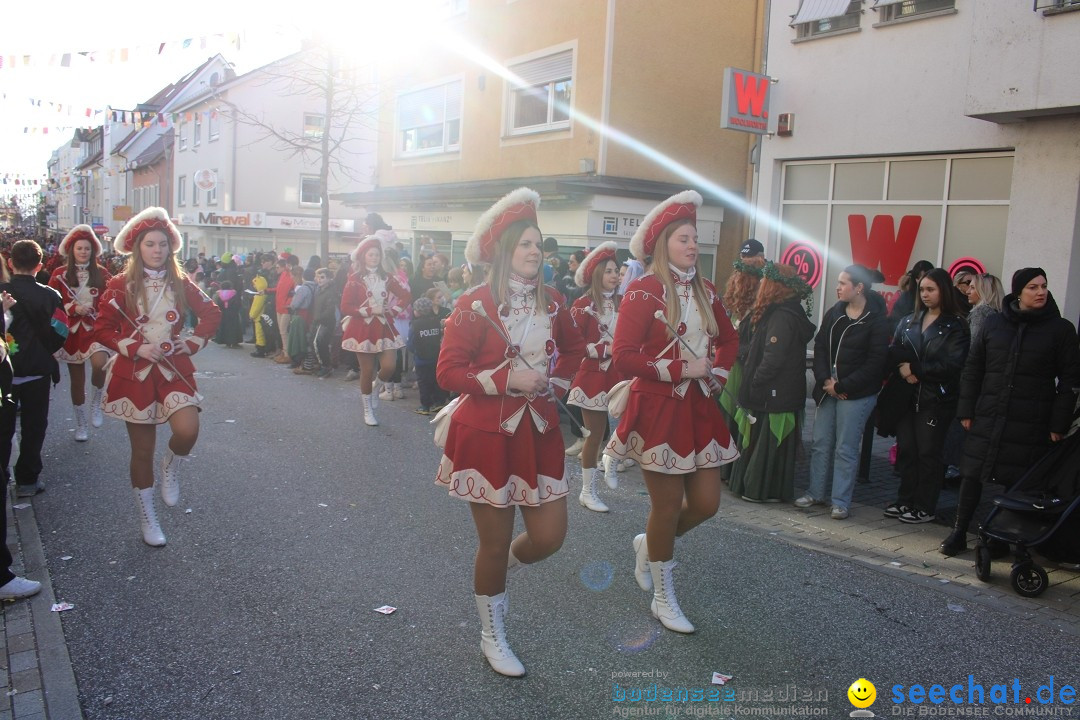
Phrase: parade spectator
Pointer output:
(455, 280)
(394, 389)
(1016, 393)
(229, 331)
(927, 352)
(264, 336)
(425, 279)
(303, 298)
(849, 364)
(314, 263)
(38, 328)
(671, 425)
(341, 279)
(961, 284)
(12, 586)
(904, 300)
(630, 271)
(773, 387)
(984, 295)
(425, 341)
(740, 292)
(324, 318)
(282, 297)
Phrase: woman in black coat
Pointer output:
(928, 351)
(1016, 393)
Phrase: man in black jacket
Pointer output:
(39, 328)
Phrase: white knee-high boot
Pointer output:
(97, 417)
(610, 476)
(151, 531)
(369, 410)
(170, 477)
(493, 643)
(641, 563)
(82, 430)
(588, 496)
(665, 607)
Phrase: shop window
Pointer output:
(822, 17)
(893, 10)
(986, 178)
(859, 181)
(806, 182)
(313, 126)
(917, 180)
(309, 191)
(429, 120)
(539, 97)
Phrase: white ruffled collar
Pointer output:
(522, 286)
(155, 274)
(683, 278)
(82, 266)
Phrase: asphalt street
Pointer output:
(296, 521)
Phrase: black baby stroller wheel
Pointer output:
(1028, 579)
(982, 562)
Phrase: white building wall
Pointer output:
(906, 89)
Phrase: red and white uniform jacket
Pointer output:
(80, 327)
(644, 348)
(597, 374)
(475, 361)
(160, 322)
(369, 305)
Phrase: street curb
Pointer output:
(61, 692)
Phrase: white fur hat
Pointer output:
(677, 207)
(521, 204)
(79, 232)
(152, 218)
(600, 254)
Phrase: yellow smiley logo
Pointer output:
(862, 693)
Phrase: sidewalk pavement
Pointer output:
(37, 680)
(40, 685)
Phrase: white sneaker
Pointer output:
(399, 394)
(839, 513)
(19, 587)
(806, 501)
(387, 392)
(575, 449)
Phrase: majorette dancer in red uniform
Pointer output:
(369, 304)
(81, 283)
(151, 379)
(675, 340)
(504, 446)
(595, 313)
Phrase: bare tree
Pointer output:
(350, 105)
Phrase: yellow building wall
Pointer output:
(501, 30)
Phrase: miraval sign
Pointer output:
(225, 219)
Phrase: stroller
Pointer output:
(1038, 512)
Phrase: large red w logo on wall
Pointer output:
(884, 247)
(750, 93)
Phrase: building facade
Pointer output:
(246, 160)
(940, 130)
(604, 108)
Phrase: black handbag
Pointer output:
(894, 402)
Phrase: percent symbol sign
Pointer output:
(806, 260)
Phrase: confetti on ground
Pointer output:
(385, 609)
(230, 421)
(956, 608)
(188, 511)
(62, 606)
(21, 506)
(896, 563)
(943, 580)
(721, 678)
(67, 557)
(323, 505)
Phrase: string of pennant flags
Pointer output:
(109, 56)
(127, 118)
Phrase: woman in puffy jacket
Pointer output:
(849, 364)
(928, 352)
(1016, 393)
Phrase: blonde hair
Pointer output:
(990, 290)
(136, 287)
(596, 286)
(663, 273)
(499, 273)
